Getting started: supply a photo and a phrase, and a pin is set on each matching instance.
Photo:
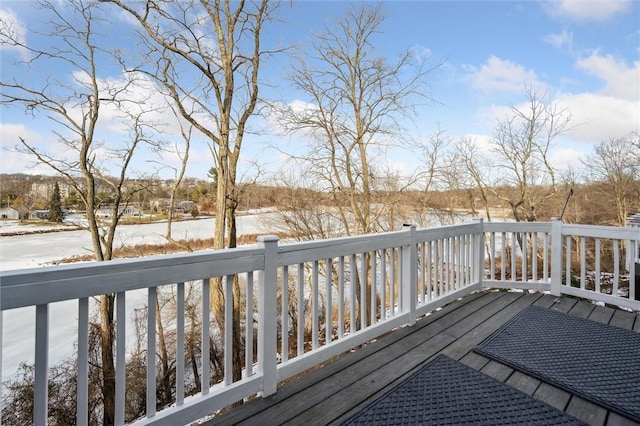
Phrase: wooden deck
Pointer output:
(330, 394)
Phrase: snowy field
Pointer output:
(41, 249)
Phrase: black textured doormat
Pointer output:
(598, 362)
(446, 392)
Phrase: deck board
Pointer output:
(335, 391)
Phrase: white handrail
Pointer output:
(368, 285)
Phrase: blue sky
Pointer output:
(585, 53)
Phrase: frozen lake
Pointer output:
(36, 250)
(31, 250)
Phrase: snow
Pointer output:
(32, 250)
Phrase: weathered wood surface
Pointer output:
(332, 393)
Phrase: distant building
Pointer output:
(132, 211)
(105, 212)
(41, 214)
(160, 204)
(9, 213)
(45, 189)
(185, 206)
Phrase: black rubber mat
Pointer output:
(598, 362)
(446, 392)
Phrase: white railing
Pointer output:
(301, 303)
(579, 260)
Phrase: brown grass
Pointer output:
(142, 250)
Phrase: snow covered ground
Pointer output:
(33, 250)
(37, 249)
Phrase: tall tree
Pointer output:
(615, 164)
(475, 171)
(219, 43)
(74, 41)
(55, 205)
(522, 143)
(356, 103)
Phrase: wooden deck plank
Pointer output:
(484, 329)
(478, 330)
(582, 309)
(523, 382)
(587, 411)
(601, 314)
(497, 370)
(552, 396)
(337, 390)
(564, 304)
(623, 319)
(398, 370)
(345, 363)
(340, 376)
(546, 301)
(474, 360)
(615, 419)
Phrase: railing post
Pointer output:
(556, 256)
(267, 316)
(41, 385)
(478, 255)
(409, 274)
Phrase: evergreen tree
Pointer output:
(55, 205)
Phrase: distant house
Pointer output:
(185, 206)
(40, 214)
(106, 212)
(9, 213)
(103, 213)
(132, 211)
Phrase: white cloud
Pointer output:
(588, 10)
(420, 53)
(562, 158)
(594, 116)
(12, 161)
(612, 111)
(621, 80)
(279, 113)
(483, 143)
(598, 116)
(501, 75)
(564, 39)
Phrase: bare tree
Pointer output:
(88, 163)
(220, 43)
(475, 170)
(439, 170)
(615, 164)
(186, 132)
(522, 144)
(356, 101)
